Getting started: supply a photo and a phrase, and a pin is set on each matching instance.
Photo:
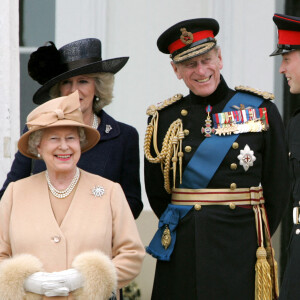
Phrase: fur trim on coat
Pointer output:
(13, 272)
(99, 273)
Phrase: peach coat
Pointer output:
(104, 222)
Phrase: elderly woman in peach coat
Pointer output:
(65, 233)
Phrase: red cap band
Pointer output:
(287, 37)
(178, 44)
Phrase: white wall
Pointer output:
(9, 78)
(131, 28)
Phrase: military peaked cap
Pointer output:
(288, 33)
(189, 38)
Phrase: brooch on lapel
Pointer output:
(98, 191)
(246, 158)
(108, 128)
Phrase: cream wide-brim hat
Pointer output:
(62, 111)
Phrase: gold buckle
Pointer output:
(296, 215)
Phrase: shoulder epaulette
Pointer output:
(159, 106)
(247, 89)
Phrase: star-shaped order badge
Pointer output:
(246, 158)
(98, 191)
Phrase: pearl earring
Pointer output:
(97, 99)
(39, 155)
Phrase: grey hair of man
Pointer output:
(104, 84)
(35, 139)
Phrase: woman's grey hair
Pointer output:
(35, 139)
(104, 84)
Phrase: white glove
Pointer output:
(52, 290)
(73, 278)
(40, 283)
(54, 284)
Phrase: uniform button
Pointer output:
(56, 239)
(297, 231)
(233, 166)
(188, 148)
(186, 132)
(197, 206)
(232, 205)
(233, 186)
(235, 145)
(184, 112)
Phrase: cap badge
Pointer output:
(186, 37)
(98, 191)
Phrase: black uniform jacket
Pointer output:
(215, 250)
(290, 288)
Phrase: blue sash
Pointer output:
(197, 175)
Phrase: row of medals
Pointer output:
(256, 125)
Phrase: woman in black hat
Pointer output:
(79, 65)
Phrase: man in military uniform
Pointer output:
(216, 175)
(289, 47)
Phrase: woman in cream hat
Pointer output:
(79, 66)
(65, 233)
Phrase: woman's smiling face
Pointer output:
(60, 148)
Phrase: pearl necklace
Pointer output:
(65, 193)
(95, 122)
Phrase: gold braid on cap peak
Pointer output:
(192, 52)
(171, 150)
(247, 89)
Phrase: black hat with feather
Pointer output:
(48, 66)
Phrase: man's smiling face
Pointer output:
(201, 74)
(290, 67)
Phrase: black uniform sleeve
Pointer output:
(154, 179)
(275, 177)
(130, 179)
(157, 196)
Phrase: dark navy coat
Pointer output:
(215, 251)
(290, 288)
(115, 157)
